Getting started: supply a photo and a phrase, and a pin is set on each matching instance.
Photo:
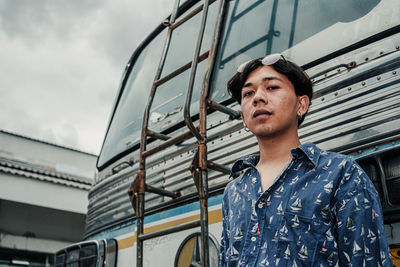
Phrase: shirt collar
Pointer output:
(311, 151)
(245, 162)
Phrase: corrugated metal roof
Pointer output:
(46, 142)
(44, 174)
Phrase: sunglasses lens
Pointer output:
(268, 60)
(242, 66)
(271, 59)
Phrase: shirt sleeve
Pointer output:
(224, 236)
(359, 221)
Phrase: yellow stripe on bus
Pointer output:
(214, 216)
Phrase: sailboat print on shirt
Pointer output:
(264, 262)
(342, 163)
(303, 253)
(367, 204)
(238, 234)
(294, 180)
(234, 253)
(296, 206)
(330, 258)
(327, 165)
(350, 224)
(287, 253)
(328, 187)
(283, 232)
(318, 200)
(295, 221)
(280, 209)
(371, 236)
(325, 211)
(348, 258)
(324, 249)
(269, 202)
(356, 202)
(329, 235)
(279, 191)
(356, 249)
(368, 254)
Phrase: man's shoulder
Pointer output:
(334, 158)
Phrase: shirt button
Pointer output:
(253, 239)
(260, 205)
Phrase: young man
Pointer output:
(294, 204)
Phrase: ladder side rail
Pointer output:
(140, 183)
(203, 175)
(188, 101)
(202, 182)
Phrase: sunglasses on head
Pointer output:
(266, 61)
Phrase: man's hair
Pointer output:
(300, 80)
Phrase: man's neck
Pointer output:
(276, 150)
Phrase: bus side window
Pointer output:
(60, 259)
(391, 167)
(73, 258)
(88, 256)
(111, 253)
(370, 167)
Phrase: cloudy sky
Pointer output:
(61, 63)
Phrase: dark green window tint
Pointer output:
(88, 256)
(60, 259)
(73, 258)
(126, 126)
(302, 30)
(391, 165)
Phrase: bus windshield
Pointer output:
(303, 31)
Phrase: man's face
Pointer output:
(270, 106)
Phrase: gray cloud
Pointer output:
(61, 63)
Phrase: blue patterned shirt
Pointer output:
(322, 210)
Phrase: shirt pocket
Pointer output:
(297, 239)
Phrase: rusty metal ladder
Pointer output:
(199, 172)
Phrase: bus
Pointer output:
(174, 131)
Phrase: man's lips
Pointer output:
(261, 112)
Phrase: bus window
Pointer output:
(60, 259)
(126, 125)
(88, 255)
(302, 30)
(73, 258)
(111, 253)
(391, 165)
(184, 38)
(168, 103)
(170, 97)
(370, 167)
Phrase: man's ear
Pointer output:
(303, 105)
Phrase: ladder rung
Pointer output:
(233, 114)
(170, 142)
(157, 135)
(162, 192)
(218, 167)
(169, 230)
(188, 16)
(180, 70)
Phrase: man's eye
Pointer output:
(272, 87)
(248, 93)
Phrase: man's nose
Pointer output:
(260, 96)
